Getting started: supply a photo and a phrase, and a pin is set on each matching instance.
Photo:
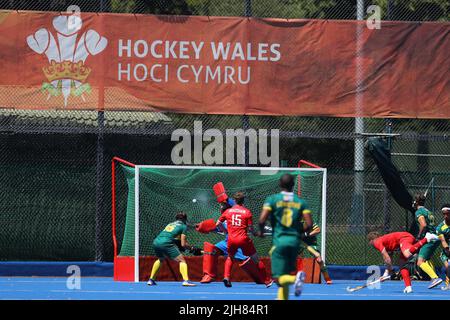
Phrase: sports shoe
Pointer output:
(227, 282)
(408, 289)
(445, 288)
(269, 283)
(431, 237)
(207, 279)
(151, 282)
(329, 281)
(298, 284)
(434, 282)
(187, 283)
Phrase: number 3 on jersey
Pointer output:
(236, 220)
(286, 219)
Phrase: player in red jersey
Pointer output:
(403, 241)
(239, 221)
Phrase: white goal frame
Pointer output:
(136, 200)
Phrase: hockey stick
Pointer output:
(428, 188)
(368, 284)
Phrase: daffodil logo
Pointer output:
(67, 52)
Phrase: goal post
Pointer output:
(157, 192)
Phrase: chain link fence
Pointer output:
(55, 202)
(396, 10)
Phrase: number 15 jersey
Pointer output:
(286, 212)
(238, 220)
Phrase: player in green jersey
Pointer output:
(443, 232)
(165, 246)
(426, 223)
(286, 211)
(308, 242)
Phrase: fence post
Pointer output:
(100, 169)
(358, 215)
(245, 118)
(248, 8)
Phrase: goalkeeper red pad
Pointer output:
(210, 259)
(220, 192)
(206, 226)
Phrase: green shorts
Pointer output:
(166, 250)
(283, 259)
(426, 252)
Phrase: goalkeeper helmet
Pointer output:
(239, 197)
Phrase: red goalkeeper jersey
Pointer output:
(238, 220)
(392, 241)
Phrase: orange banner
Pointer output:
(222, 65)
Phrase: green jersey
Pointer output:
(286, 213)
(443, 231)
(171, 233)
(429, 219)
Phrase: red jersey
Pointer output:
(238, 220)
(392, 241)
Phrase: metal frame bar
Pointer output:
(136, 199)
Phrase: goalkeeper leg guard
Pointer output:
(155, 269)
(184, 271)
(210, 259)
(250, 267)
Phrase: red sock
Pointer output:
(299, 264)
(406, 278)
(228, 265)
(262, 271)
(417, 245)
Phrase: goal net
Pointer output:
(157, 193)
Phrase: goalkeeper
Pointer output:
(165, 246)
(211, 252)
(308, 241)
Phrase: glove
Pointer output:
(180, 247)
(220, 193)
(195, 251)
(395, 276)
(206, 226)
